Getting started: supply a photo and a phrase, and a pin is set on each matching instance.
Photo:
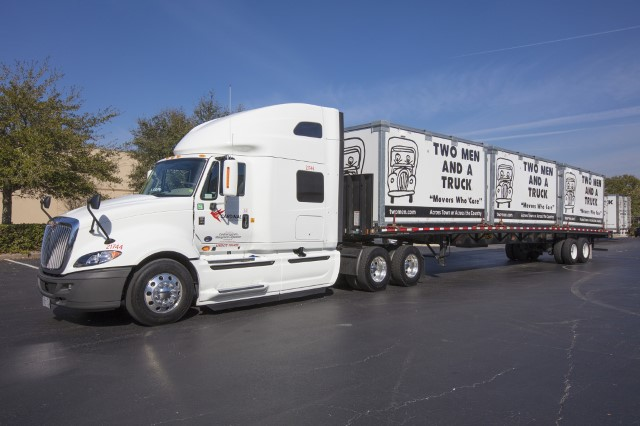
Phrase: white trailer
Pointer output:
(617, 214)
(276, 202)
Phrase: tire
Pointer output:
(557, 251)
(570, 251)
(352, 281)
(584, 250)
(407, 265)
(373, 272)
(508, 249)
(534, 254)
(159, 293)
(521, 252)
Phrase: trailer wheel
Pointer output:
(557, 251)
(521, 252)
(534, 253)
(570, 251)
(508, 249)
(373, 269)
(584, 250)
(159, 293)
(406, 266)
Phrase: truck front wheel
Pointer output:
(159, 293)
(373, 269)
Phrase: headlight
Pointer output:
(96, 258)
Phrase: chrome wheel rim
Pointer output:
(411, 266)
(574, 251)
(162, 293)
(378, 269)
(585, 250)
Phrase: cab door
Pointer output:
(221, 224)
(223, 237)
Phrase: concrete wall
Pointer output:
(27, 209)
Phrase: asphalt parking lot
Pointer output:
(481, 341)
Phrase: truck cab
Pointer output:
(246, 211)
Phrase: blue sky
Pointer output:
(557, 79)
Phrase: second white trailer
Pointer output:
(617, 214)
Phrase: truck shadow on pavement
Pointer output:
(120, 317)
(114, 318)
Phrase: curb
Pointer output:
(30, 255)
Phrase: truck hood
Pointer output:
(131, 206)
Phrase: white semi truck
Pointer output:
(276, 202)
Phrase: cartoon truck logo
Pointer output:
(353, 156)
(504, 181)
(403, 163)
(569, 192)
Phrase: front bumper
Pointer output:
(92, 290)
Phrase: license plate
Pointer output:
(46, 302)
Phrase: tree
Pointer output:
(627, 185)
(155, 137)
(208, 108)
(47, 144)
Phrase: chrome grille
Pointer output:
(57, 242)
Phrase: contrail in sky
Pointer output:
(589, 117)
(548, 42)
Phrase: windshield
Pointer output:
(174, 178)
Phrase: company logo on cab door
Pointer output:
(220, 214)
(217, 214)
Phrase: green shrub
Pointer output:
(21, 238)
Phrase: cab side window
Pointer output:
(213, 185)
(309, 187)
(210, 189)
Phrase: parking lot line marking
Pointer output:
(23, 264)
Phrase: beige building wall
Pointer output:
(27, 209)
